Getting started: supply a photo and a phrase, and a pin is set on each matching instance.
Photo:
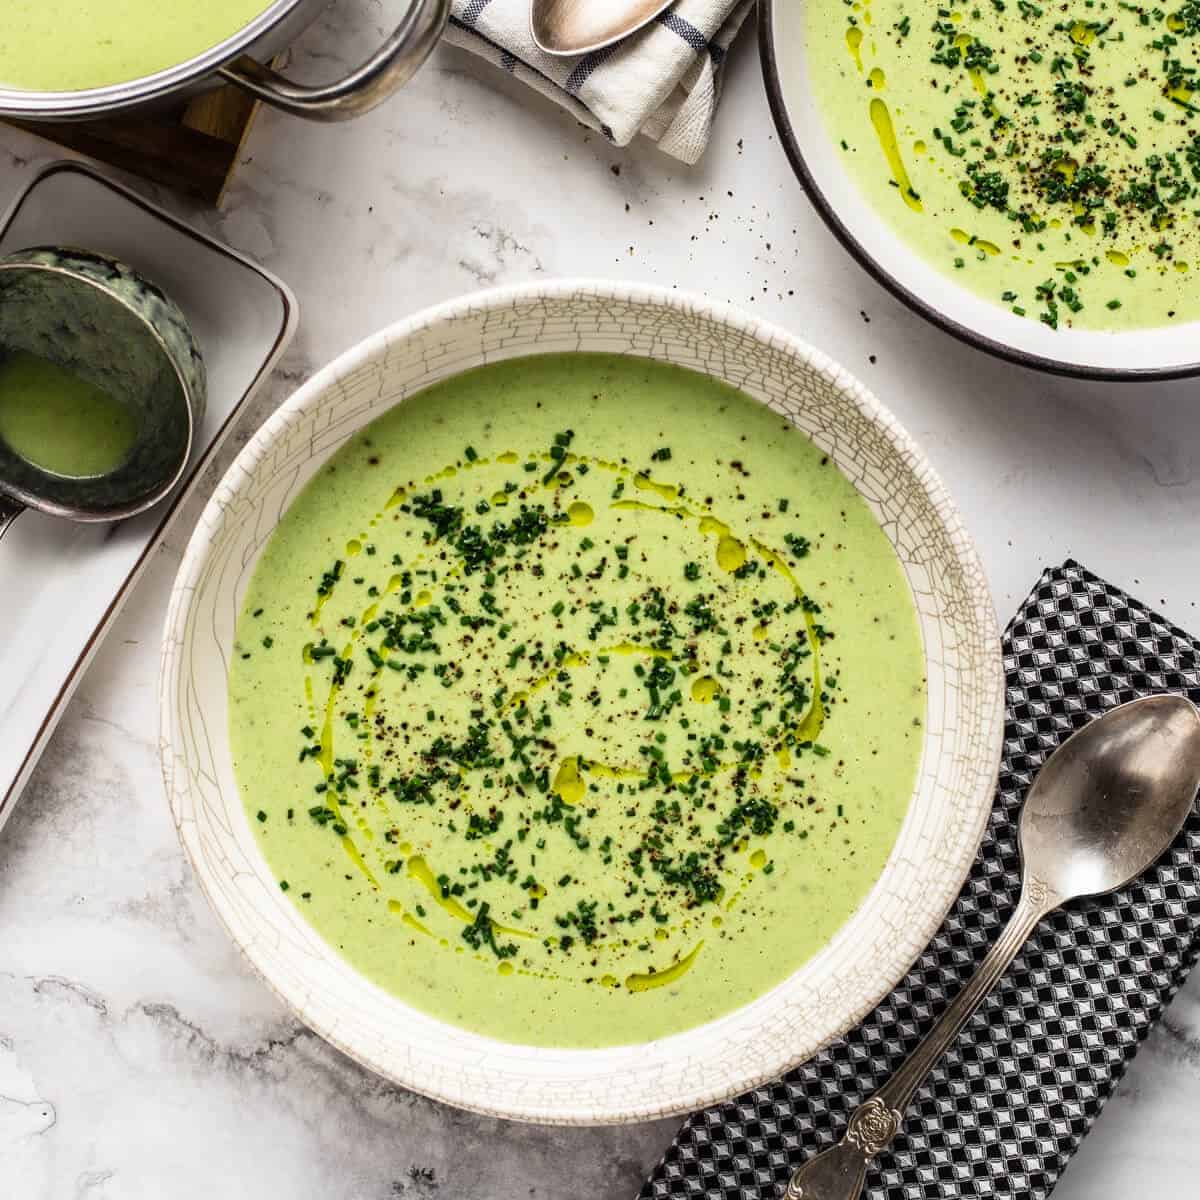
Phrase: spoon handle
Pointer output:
(838, 1173)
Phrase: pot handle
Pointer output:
(387, 70)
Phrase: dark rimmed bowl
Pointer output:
(1138, 354)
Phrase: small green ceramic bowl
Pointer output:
(101, 320)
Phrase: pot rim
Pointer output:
(969, 335)
(115, 97)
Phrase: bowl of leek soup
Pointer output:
(1025, 176)
(581, 702)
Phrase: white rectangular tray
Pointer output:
(61, 584)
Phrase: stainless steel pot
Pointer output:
(239, 60)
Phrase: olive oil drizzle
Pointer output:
(730, 553)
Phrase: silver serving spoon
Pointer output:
(1106, 804)
(580, 26)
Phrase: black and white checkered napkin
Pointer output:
(1006, 1109)
(663, 82)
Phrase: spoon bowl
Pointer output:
(564, 27)
(1112, 798)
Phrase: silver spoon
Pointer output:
(580, 26)
(1106, 804)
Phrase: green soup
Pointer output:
(69, 45)
(1045, 155)
(578, 700)
(60, 422)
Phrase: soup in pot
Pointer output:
(72, 45)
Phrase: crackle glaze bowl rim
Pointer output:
(824, 997)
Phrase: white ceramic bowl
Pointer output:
(828, 994)
(1134, 354)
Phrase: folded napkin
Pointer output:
(1008, 1106)
(663, 81)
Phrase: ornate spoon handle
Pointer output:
(838, 1173)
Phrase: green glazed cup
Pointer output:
(101, 320)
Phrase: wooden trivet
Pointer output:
(193, 148)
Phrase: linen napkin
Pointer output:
(663, 81)
(1008, 1106)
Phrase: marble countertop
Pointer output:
(139, 1058)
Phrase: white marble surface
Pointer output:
(138, 1056)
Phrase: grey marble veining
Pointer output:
(133, 1037)
(139, 1057)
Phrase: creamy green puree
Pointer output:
(60, 422)
(578, 700)
(68, 45)
(1045, 154)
